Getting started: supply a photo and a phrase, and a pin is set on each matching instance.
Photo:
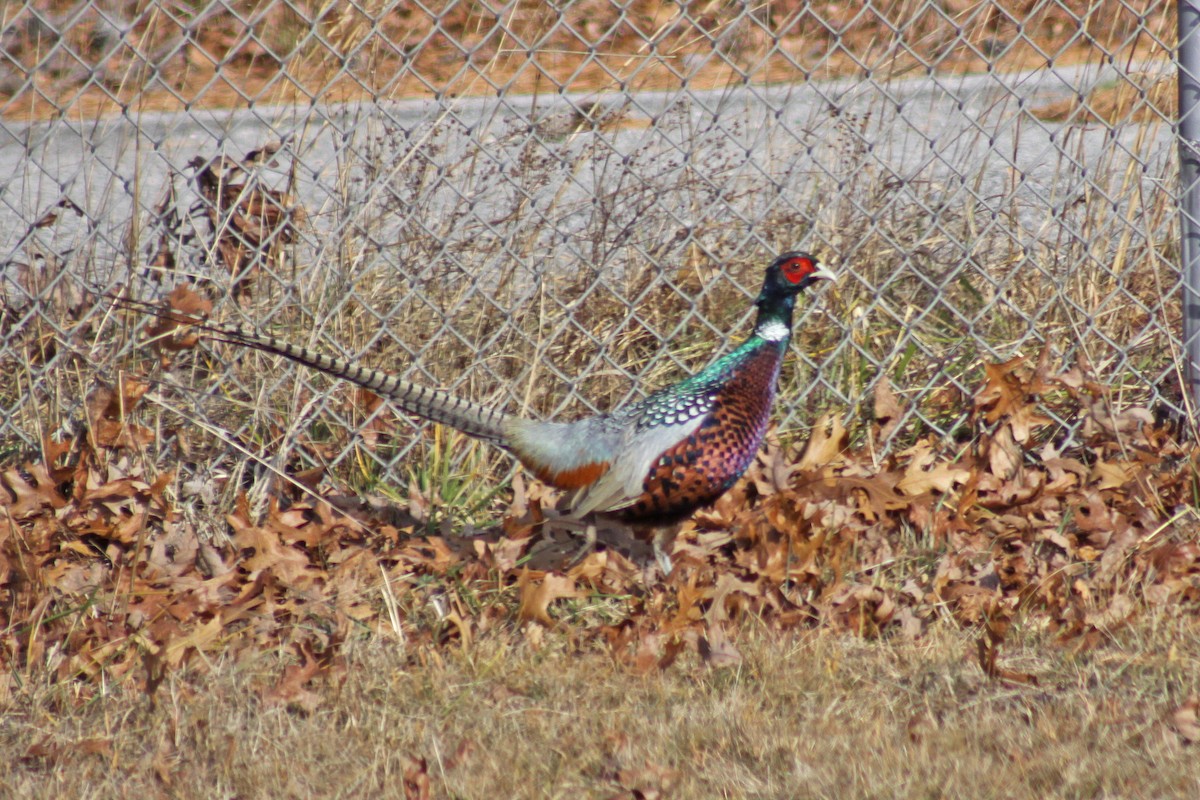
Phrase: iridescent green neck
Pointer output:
(774, 316)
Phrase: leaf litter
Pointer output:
(104, 578)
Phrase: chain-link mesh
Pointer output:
(558, 207)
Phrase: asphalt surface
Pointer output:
(464, 169)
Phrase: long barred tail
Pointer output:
(432, 404)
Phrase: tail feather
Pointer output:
(435, 405)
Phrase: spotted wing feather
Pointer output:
(702, 467)
(684, 446)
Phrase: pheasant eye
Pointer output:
(796, 269)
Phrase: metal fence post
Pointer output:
(1189, 175)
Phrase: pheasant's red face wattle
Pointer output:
(799, 268)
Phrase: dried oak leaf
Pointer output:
(1024, 420)
(380, 426)
(170, 329)
(1003, 392)
(860, 608)
(1127, 422)
(268, 553)
(825, 445)
(887, 409)
(1110, 475)
(1004, 454)
(923, 475)
(174, 553)
(729, 595)
(771, 471)
(1185, 720)
(537, 595)
(417, 785)
(199, 638)
(108, 411)
(1119, 609)
(27, 491)
(290, 690)
(872, 496)
(716, 650)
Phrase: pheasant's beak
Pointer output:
(823, 274)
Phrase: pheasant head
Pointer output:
(788, 275)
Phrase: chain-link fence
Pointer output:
(557, 207)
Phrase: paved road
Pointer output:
(663, 161)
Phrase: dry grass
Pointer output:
(817, 715)
(931, 293)
(578, 295)
(524, 711)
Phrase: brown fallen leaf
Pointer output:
(417, 785)
(924, 475)
(1129, 421)
(30, 490)
(291, 689)
(1003, 391)
(1024, 420)
(171, 329)
(462, 754)
(1185, 720)
(1109, 475)
(266, 552)
(716, 650)
(1119, 609)
(887, 409)
(537, 595)
(108, 412)
(825, 444)
(198, 639)
(1004, 454)
(771, 471)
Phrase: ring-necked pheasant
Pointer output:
(651, 463)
